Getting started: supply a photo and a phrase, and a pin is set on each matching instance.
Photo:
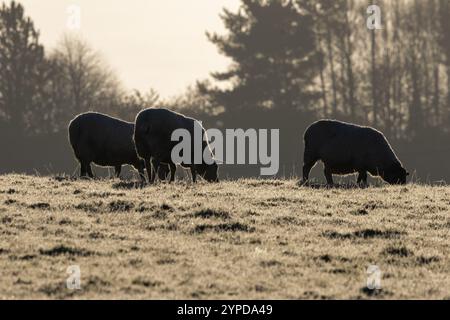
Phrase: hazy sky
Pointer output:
(158, 44)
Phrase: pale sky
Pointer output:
(158, 44)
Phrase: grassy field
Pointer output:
(246, 239)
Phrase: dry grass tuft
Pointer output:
(64, 250)
(211, 213)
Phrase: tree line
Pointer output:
(320, 57)
(42, 89)
(293, 62)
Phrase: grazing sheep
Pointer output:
(105, 141)
(346, 148)
(152, 137)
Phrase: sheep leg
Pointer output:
(89, 171)
(362, 178)
(328, 176)
(83, 170)
(148, 166)
(194, 174)
(141, 175)
(163, 171)
(306, 169)
(173, 169)
(155, 167)
(118, 169)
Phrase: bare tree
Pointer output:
(136, 101)
(82, 80)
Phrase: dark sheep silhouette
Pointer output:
(105, 141)
(346, 148)
(152, 137)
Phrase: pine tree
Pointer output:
(272, 46)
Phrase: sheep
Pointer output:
(105, 141)
(153, 140)
(346, 148)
